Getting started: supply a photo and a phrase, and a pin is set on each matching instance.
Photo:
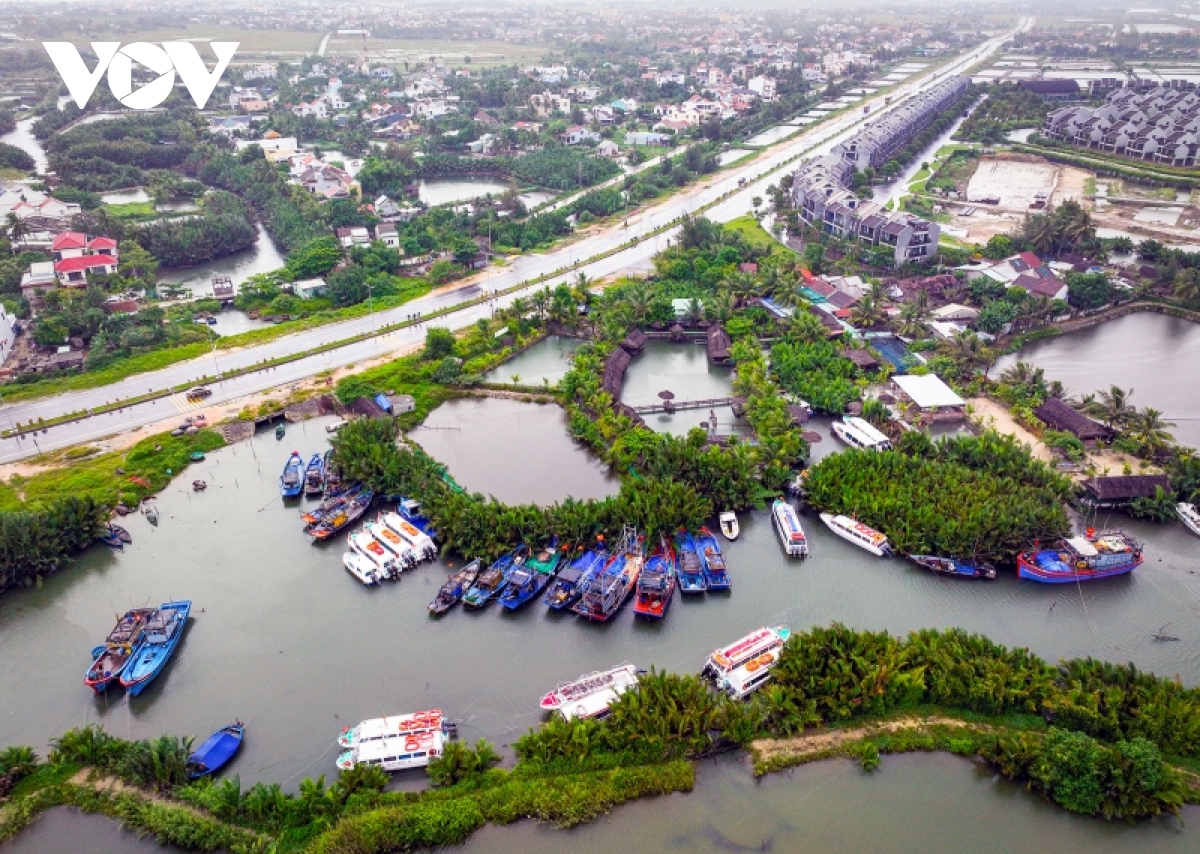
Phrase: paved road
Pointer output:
(758, 176)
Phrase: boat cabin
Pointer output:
(787, 526)
(397, 753)
(744, 680)
(377, 729)
(860, 433)
(766, 640)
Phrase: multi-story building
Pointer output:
(1162, 124)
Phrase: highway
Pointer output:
(641, 227)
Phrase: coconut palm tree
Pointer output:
(1187, 285)
(1112, 407)
(913, 315)
(17, 229)
(1150, 430)
(805, 328)
(867, 313)
(720, 307)
(968, 352)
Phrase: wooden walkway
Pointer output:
(676, 405)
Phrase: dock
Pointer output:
(676, 405)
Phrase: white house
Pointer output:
(309, 288)
(576, 134)
(763, 86)
(548, 103)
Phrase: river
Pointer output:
(262, 257)
(24, 139)
(284, 639)
(1153, 354)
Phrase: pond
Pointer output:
(519, 452)
(65, 830)
(444, 191)
(1153, 354)
(1021, 135)
(772, 135)
(684, 370)
(727, 157)
(547, 360)
(262, 257)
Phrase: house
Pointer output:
(309, 288)
(388, 211)
(38, 279)
(1042, 285)
(931, 397)
(955, 312)
(75, 255)
(1053, 90)
(1059, 416)
(386, 234)
(1110, 491)
(547, 104)
(646, 138)
(608, 148)
(355, 236)
(936, 288)
(227, 125)
(275, 148)
(762, 86)
(577, 134)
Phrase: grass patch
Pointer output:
(132, 210)
(753, 233)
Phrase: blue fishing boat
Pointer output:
(216, 751)
(314, 476)
(110, 659)
(492, 581)
(163, 631)
(570, 582)
(410, 510)
(712, 560)
(451, 593)
(291, 482)
(953, 567)
(528, 578)
(656, 586)
(691, 568)
(608, 589)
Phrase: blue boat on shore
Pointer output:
(690, 566)
(291, 482)
(162, 634)
(568, 587)
(712, 560)
(216, 751)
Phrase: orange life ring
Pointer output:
(765, 659)
(411, 744)
(752, 665)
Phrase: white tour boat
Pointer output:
(422, 544)
(1190, 516)
(395, 752)
(787, 526)
(386, 563)
(729, 525)
(361, 568)
(591, 695)
(386, 727)
(393, 542)
(756, 646)
(860, 433)
(863, 536)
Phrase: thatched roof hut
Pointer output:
(718, 344)
(861, 357)
(614, 371)
(1058, 416)
(634, 341)
(1123, 488)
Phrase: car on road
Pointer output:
(199, 393)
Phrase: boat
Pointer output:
(1189, 516)
(346, 513)
(410, 509)
(491, 581)
(451, 593)
(787, 526)
(398, 752)
(151, 514)
(860, 433)
(729, 525)
(744, 666)
(608, 589)
(421, 543)
(393, 542)
(279, 431)
(163, 631)
(863, 536)
(314, 476)
(123, 642)
(386, 563)
(361, 568)
(291, 482)
(591, 695)
(196, 456)
(330, 505)
(217, 750)
(199, 486)
(571, 580)
(656, 584)
(1097, 554)
(115, 536)
(712, 560)
(953, 567)
(691, 568)
(378, 729)
(528, 579)
(333, 480)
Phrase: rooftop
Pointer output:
(928, 391)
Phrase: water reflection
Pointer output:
(546, 361)
(64, 830)
(22, 137)
(443, 191)
(262, 257)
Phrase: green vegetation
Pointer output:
(817, 372)
(12, 157)
(1007, 107)
(972, 496)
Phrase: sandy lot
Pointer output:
(1014, 182)
(989, 413)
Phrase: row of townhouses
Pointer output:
(1162, 124)
(820, 187)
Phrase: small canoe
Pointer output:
(151, 515)
(729, 525)
(199, 485)
(954, 568)
(121, 532)
(111, 538)
(197, 456)
(279, 431)
(216, 751)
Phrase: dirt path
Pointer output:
(766, 749)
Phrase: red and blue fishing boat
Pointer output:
(122, 644)
(689, 564)
(609, 588)
(569, 585)
(712, 560)
(1095, 555)
(656, 584)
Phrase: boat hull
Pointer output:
(216, 752)
(832, 523)
(153, 658)
(950, 568)
(1028, 567)
(1189, 516)
(713, 561)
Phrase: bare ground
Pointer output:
(989, 413)
(820, 741)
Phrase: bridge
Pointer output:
(676, 405)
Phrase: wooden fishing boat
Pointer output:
(1189, 516)
(569, 584)
(787, 526)
(609, 588)
(151, 514)
(744, 666)
(715, 571)
(729, 525)
(199, 486)
(280, 430)
(216, 751)
(1095, 555)
(451, 593)
(863, 536)
(656, 584)
(291, 482)
(954, 568)
(121, 533)
(163, 631)
(331, 505)
(491, 581)
(111, 536)
(691, 568)
(345, 514)
(591, 695)
(314, 476)
(333, 480)
(122, 644)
